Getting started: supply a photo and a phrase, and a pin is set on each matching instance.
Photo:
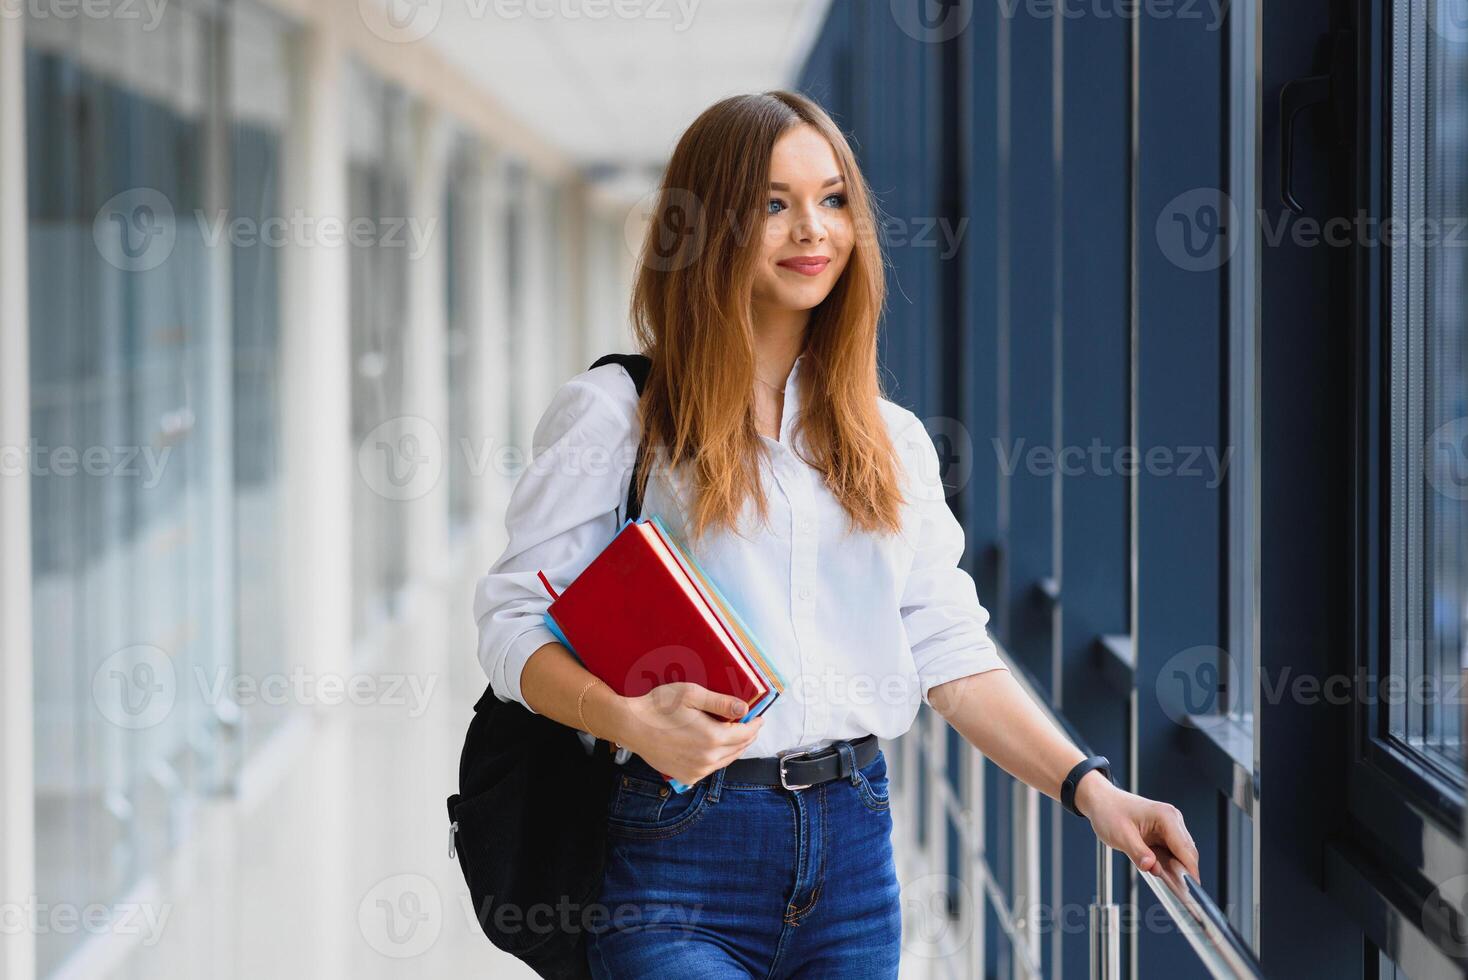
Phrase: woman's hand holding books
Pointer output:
(685, 730)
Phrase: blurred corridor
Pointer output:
(285, 285)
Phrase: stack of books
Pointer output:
(643, 613)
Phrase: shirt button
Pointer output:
(805, 592)
(805, 524)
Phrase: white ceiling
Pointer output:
(617, 91)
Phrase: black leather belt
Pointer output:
(792, 769)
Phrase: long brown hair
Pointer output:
(691, 313)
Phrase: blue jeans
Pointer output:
(734, 880)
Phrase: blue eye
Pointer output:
(779, 205)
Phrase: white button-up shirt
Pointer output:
(861, 625)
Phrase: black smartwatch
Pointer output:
(1073, 779)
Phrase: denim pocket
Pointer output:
(872, 782)
(646, 808)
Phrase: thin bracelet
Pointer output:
(584, 726)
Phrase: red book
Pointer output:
(637, 618)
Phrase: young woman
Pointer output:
(814, 503)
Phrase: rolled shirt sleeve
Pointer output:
(946, 625)
(563, 510)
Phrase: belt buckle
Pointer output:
(796, 752)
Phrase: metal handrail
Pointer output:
(1104, 915)
(1218, 945)
(1203, 924)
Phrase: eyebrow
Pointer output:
(775, 185)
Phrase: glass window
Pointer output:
(461, 226)
(130, 459)
(379, 135)
(1429, 385)
(260, 110)
(515, 300)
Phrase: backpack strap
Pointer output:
(637, 365)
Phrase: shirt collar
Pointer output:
(795, 371)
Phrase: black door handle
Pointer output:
(1338, 89)
(1295, 95)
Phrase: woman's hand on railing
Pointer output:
(1147, 831)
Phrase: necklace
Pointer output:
(768, 385)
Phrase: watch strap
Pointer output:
(1073, 780)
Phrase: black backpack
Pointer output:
(529, 821)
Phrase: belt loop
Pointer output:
(847, 766)
(716, 783)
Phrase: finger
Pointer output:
(1136, 849)
(740, 735)
(733, 754)
(1182, 845)
(1175, 838)
(731, 734)
(724, 705)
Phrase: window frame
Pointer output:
(1390, 785)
